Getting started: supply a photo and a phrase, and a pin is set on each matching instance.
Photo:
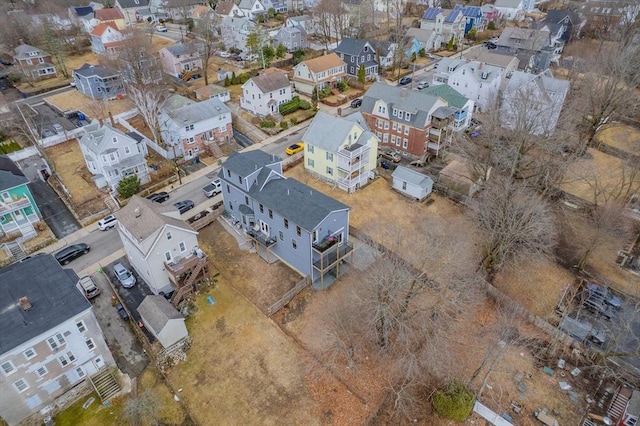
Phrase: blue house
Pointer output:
(18, 209)
(98, 82)
(473, 18)
(286, 219)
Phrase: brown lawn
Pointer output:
(621, 136)
(76, 101)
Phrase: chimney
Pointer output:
(113, 123)
(137, 211)
(24, 303)
(101, 121)
(403, 93)
(480, 65)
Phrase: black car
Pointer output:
(356, 103)
(490, 45)
(158, 197)
(405, 80)
(184, 206)
(72, 252)
(122, 312)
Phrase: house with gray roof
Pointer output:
(252, 8)
(532, 103)
(399, 117)
(18, 209)
(513, 9)
(356, 53)
(234, 32)
(447, 23)
(191, 126)
(181, 60)
(129, 9)
(51, 340)
(83, 15)
(163, 321)
(508, 63)
(263, 94)
(293, 38)
(417, 39)
(161, 247)
(112, 155)
(286, 219)
(385, 51)
(33, 62)
(411, 183)
(340, 151)
(534, 48)
(305, 22)
(98, 82)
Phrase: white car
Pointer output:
(224, 54)
(161, 28)
(107, 222)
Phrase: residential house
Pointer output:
(449, 24)
(316, 73)
(129, 9)
(475, 80)
(181, 60)
(535, 48)
(213, 91)
(228, 8)
(162, 248)
(59, 22)
(356, 53)
(252, 8)
(400, 118)
(473, 19)
(295, 5)
(566, 21)
(513, 9)
(111, 155)
(192, 126)
(33, 62)
(51, 340)
(286, 219)
(110, 14)
(83, 15)
(293, 38)
(532, 103)
(417, 39)
(18, 209)
(146, 70)
(610, 12)
(175, 10)
(490, 13)
(202, 11)
(107, 40)
(411, 183)
(146, 16)
(98, 82)
(631, 414)
(305, 22)
(263, 94)
(340, 151)
(163, 321)
(506, 63)
(386, 51)
(279, 6)
(234, 32)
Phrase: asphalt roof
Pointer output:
(328, 132)
(416, 103)
(523, 38)
(248, 162)
(157, 311)
(108, 14)
(508, 3)
(184, 111)
(96, 136)
(88, 70)
(489, 57)
(53, 295)
(126, 4)
(182, 49)
(22, 52)
(351, 46)
(448, 93)
(324, 62)
(412, 176)
(10, 174)
(269, 82)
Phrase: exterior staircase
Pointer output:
(187, 285)
(105, 384)
(16, 250)
(111, 203)
(216, 150)
(619, 403)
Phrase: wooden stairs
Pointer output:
(187, 285)
(105, 384)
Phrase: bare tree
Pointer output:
(144, 408)
(207, 31)
(53, 43)
(322, 14)
(515, 222)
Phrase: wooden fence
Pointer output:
(286, 298)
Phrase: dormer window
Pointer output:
(115, 139)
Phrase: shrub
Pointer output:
(242, 79)
(422, 52)
(289, 107)
(491, 26)
(304, 104)
(294, 120)
(342, 85)
(267, 124)
(284, 125)
(453, 402)
(227, 81)
(9, 147)
(129, 186)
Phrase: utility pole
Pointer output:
(175, 164)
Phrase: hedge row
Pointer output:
(9, 147)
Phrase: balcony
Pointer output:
(329, 255)
(7, 207)
(261, 238)
(353, 158)
(183, 265)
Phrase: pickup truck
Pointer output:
(215, 187)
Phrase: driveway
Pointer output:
(54, 211)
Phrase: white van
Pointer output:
(107, 222)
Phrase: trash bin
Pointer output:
(196, 160)
(81, 116)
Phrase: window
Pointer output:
(240, 179)
(405, 143)
(56, 340)
(183, 247)
(315, 236)
(286, 223)
(127, 150)
(261, 207)
(169, 235)
(29, 353)
(329, 156)
(406, 130)
(8, 368)
(394, 126)
(310, 148)
(223, 128)
(80, 372)
(298, 231)
(329, 170)
(90, 344)
(42, 371)
(393, 139)
(294, 244)
(167, 256)
(310, 162)
(228, 173)
(270, 214)
(21, 385)
(189, 127)
(385, 137)
(228, 189)
(386, 125)
(112, 157)
(281, 235)
(81, 327)
(63, 360)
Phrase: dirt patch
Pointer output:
(73, 100)
(621, 136)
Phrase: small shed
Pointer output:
(162, 320)
(411, 183)
(213, 91)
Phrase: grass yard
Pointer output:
(621, 136)
(94, 415)
(73, 100)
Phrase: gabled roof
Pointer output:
(416, 103)
(291, 30)
(431, 13)
(248, 162)
(211, 90)
(127, 4)
(324, 62)
(412, 177)
(142, 218)
(511, 4)
(157, 312)
(489, 57)
(382, 47)
(82, 11)
(102, 27)
(453, 15)
(545, 82)
(474, 69)
(194, 112)
(351, 46)
(224, 7)
(301, 18)
(181, 49)
(88, 70)
(472, 11)
(448, 93)
(248, 4)
(50, 289)
(22, 52)
(10, 174)
(529, 39)
(269, 82)
(328, 132)
(422, 35)
(99, 138)
(108, 14)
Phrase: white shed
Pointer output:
(162, 320)
(411, 183)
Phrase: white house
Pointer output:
(111, 155)
(513, 9)
(234, 32)
(51, 340)
(213, 91)
(532, 103)
(316, 73)
(192, 126)
(252, 8)
(303, 21)
(163, 320)
(475, 80)
(228, 8)
(411, 183)
(263, 94)
(446, 23)
(159, 245)
(129, 9)
(106, 39)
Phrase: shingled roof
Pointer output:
(10, 174)
(324, 62)
(108, 14)
(269, 82)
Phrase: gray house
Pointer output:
(163, 320)
(358, 52)
(98, 82)
(293, 38)
(411, 183)
(286, 219)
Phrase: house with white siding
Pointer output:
(316, 73)
(263, 94)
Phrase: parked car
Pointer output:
(490, 45)
(600, 292)
(215, 187)
(58, 128)
(88, 287)
(405, 80)
(390, 155)
(423, 84)
(184, 206)
(107, 222)
(161, 28)
(158, 197)
(356, 103)
(123, 275)
(295, 148)
(72, 252)
(224, 54)
(122, 312)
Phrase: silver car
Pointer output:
(123, 275)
